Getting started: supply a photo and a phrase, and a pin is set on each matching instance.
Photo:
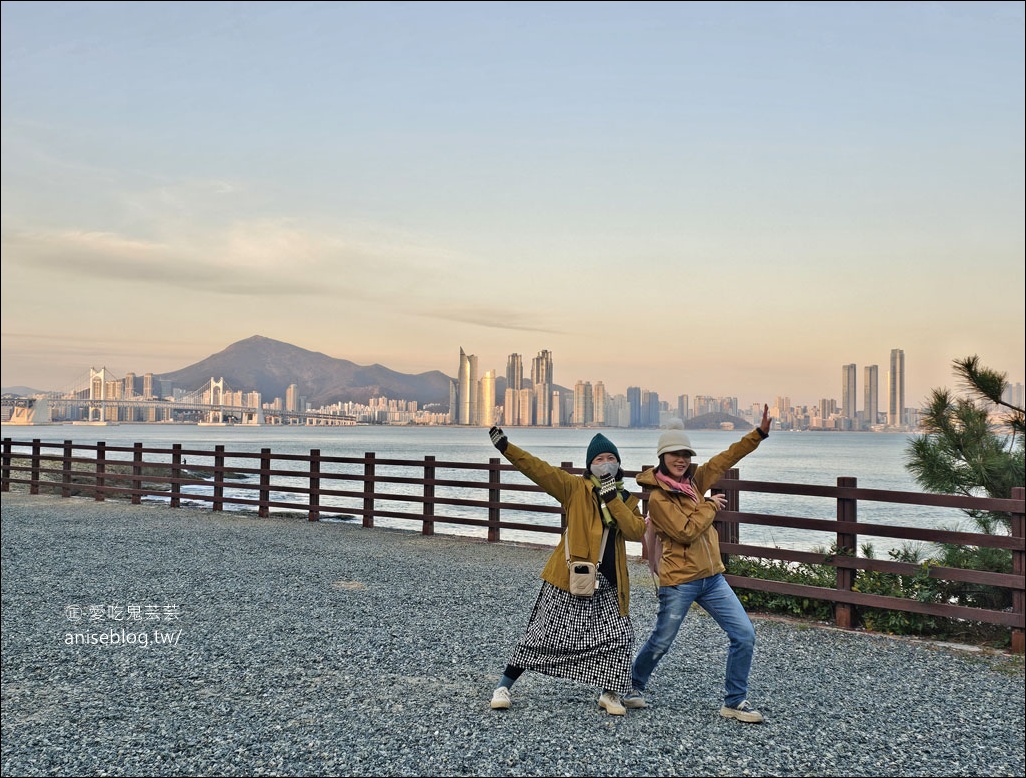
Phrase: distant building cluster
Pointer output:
(848, 416)
(516, 400)
(537, 401)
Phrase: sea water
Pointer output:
(876, 460)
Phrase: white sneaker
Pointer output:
(500, 698)
(743, 712)
(610, 702)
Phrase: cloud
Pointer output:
(265, 258)
(493, 317)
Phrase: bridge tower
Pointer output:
(101, 383)
(216, 394)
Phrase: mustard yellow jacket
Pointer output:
(690, 548)
(576, 495)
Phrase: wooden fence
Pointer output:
(419, 491)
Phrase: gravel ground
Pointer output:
(327, 649)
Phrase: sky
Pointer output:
(726, 199)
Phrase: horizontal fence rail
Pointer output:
(428, 492)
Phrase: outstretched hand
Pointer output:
(766, 420)
(499, 439)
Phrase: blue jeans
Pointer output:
(718, 599)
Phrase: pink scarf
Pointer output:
(684, 486)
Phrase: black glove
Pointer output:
(619, 474)
(607, 488)
(499, 439)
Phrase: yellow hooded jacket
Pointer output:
(576, 495)
(690, 548)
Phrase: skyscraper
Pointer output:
(634, 405)
(541, 368)
(486, 400)
(896, 389)
(871, 389)
(510, 408)
(525, 407)
(467, 389)
(514, 372)
(543, 407)
(848, 395)
(599, 403)
(583, 408)
(683, 407)
(541, 377)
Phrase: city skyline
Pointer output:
(475, 401)
(543, 371)
(735, 197)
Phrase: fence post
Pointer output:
(5, 466)
(265, 483)
(34, 474)
(136, 485)
(368, 489)
(728, 531)
(494, 495)
(176, 475)
(218, 503)
(1018, 568)
(101, 468)
(847, 545)
(315, 484)
(66, 469)
(429, 496)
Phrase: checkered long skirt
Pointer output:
(581, 638)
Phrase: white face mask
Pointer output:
(599, 469)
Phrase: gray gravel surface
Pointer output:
(329, 649)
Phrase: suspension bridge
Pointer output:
(107, 399)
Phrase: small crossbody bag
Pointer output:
(583, 574)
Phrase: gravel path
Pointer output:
(327, 649)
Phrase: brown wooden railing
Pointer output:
(367, 487)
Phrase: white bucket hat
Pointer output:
(674, 439)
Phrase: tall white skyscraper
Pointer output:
(848, 391)
(467, 389)
(486, 400)
(896, 389)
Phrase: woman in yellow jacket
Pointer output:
(587, 639)
(690, 568)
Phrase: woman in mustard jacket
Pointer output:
(587, 639)
(690, 568)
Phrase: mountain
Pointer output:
(270, 366)
(21, 391)
(714, 421)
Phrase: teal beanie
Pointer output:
(600, 444)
